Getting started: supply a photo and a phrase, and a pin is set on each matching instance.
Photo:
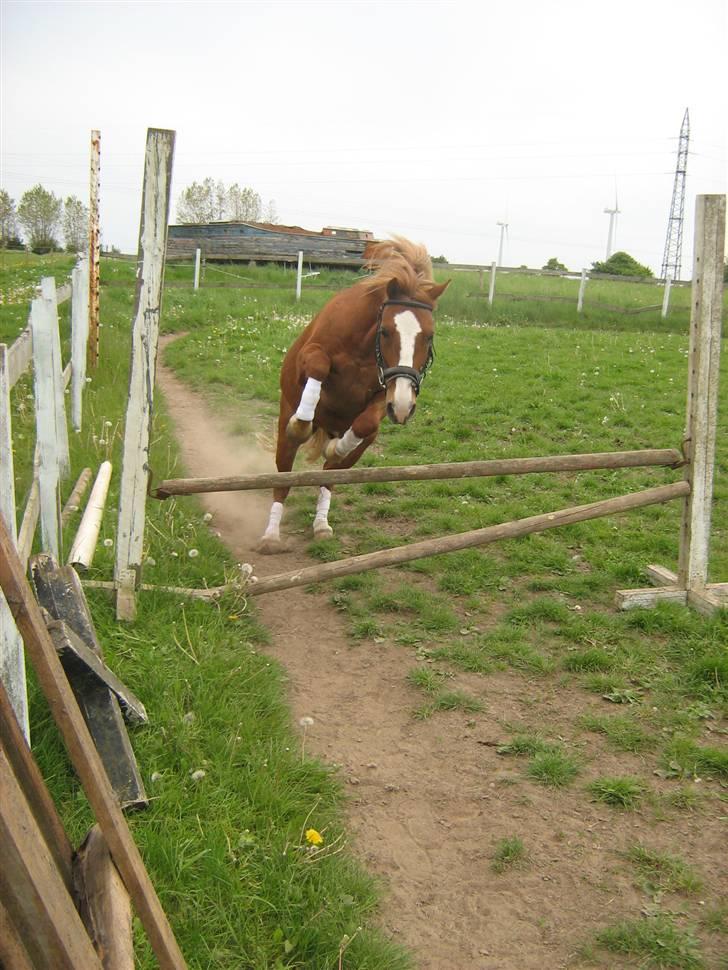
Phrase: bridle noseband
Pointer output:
(387, 374)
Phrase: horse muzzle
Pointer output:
(401, 398)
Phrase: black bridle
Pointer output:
(387, 374)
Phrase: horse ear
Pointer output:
(434, 292)
(393, 289)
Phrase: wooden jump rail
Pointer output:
(669, 457)
(466, 540)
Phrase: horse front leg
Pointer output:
(345, 452)
(314, 365)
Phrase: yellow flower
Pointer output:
(314, 837)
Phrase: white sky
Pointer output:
(435, 120)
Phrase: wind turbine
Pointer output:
(503, 231)
(613, 213)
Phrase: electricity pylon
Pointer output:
(672, 260)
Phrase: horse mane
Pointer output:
(400, 261)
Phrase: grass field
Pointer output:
(233, 794)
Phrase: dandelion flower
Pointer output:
(313, 837)
(198, 775)
(207, 517)
(193, 553)
(108, 543)
(306, 722)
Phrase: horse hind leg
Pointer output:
(270, 542)
(321, 527)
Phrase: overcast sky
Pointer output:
(435, 120)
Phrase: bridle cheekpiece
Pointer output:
(387, 374)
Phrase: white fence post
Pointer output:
(666, 296)
(491, 291)
(79, 339)
(48, 384)
(299, 274)
(48, 293)
(582, 287)
(702, 399)
(12, 652)
(145, 334)
(198, 254)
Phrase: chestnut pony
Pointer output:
(362, 356)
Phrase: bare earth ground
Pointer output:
(430, 799)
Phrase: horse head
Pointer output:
(405, 346)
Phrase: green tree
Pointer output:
(622, 264)
(39, 213)
(75, 225)
(554, 264)
(8, 220)
(213, 201)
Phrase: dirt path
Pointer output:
(428, 799)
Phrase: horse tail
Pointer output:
(314, 447)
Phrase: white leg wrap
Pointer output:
(321, 521)
(274, 522)
(347, 443)
(309, 400)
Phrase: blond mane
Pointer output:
(399, 260)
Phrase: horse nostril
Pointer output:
(390, 413)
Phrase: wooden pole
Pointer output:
(582, 287)
(74, 499)
(85, 757)
(145, 336)
(84, 545)
(48, 293)
(702, 398)
(299, 274)
(105, 906)
(79, 339)
(491, 291)
(198, 254)
(666, 296)
(467, 540)
(94, 252)
(43, 320)
(412, 473)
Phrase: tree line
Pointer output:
(213, 201)
(41, 219)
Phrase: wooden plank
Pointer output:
(12, 655)
(59, 592)
(104, 903)
(84, 757)
(702, 401)
(31, 781)
(410, 473)
(44, 319)
(648, 598)
(145, 335)
(94, 242)
(466, 540)
(48, 293)
(660, 576)
(29, 523)
(79, 339)
(13, 955)
(78, 659)
(31, 889)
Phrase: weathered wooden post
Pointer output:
(491, 291)
(79, 339)
(12, 654)
(666, 296)
(299, 274)
(145, 335)
(94, 251)
(702, 401)
(690, 584)
(51, 432)
(198, 255)
(582, 287)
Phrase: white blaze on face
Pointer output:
(408, 326)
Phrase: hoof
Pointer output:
(299, 431)
(330, 453)
(270, 547)
(323, 532)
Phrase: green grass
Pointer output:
(657, 942)
(509, 853)
(620, 792)
(523, 378)
(661, 872)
